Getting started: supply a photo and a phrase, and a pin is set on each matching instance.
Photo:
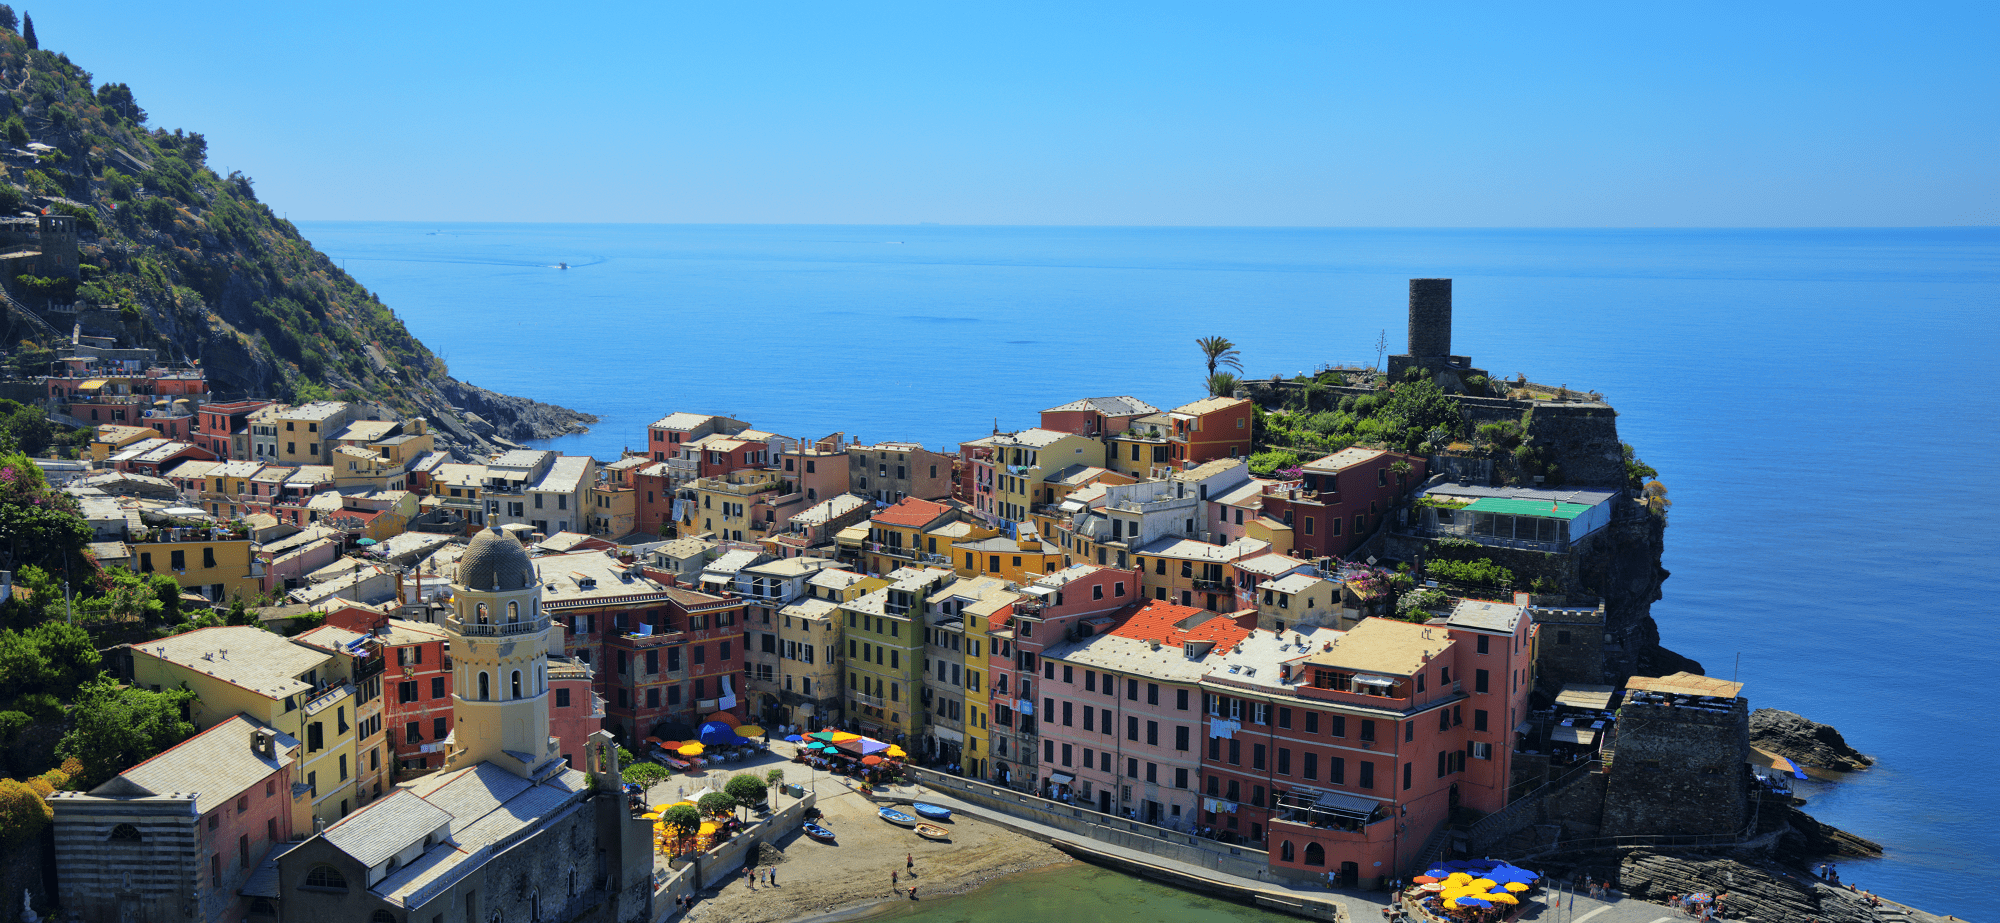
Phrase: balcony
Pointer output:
(866, 699)
(325, 699)
(497, 629)
(1214, 586)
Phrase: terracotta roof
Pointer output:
(910, 512)
(1169, 623)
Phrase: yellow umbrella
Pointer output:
(750, 730)
(1451, 903)
(1517, 886)
(661, 808)
(1458, 878)
(684, 802)
(709, 827)
(1485, 884)
(1501, 897)
(896, 752)
(841, 737)
(653, 815)
(690, 749)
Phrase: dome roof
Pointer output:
(494, 561)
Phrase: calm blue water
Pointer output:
(1821, 404)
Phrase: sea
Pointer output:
(1822, 404)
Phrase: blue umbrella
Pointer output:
(1473, 902)
(717, 734)
(1504, 873)
(795, 739)
(1438, 873)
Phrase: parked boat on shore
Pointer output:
(896, 817)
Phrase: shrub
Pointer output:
(683, 819)
(23, 813)
(1480, 573)
(646, 775)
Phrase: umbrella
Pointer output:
(750, 730)
(1517, 886)
(655, 815)
(843, 737)
(1474, 902)
(870, 760)
(895, 752)
(1431, 887)
(708, 827)
(1505, 873)
(1501, 898)
(822, 735)
(684, 803)
(794, 739)
(716, 733)
(365, 541)
(1424, 879)
(724, 717)
(1439, 874)
(690, 750)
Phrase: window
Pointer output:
(562, 698)
(1256, 756)
(327, 878)
(440, 727)
(1181, 701)
(1152, 733)
(1131, 728)
(1479, 719)
(1479, 680)
(1181, 737)
(1483, 639)
(1406, 775)
(437, 687)
(413, 732)
(1367, 774)
(1482, 751)
(1368, 729)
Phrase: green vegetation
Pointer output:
(716, 804)
(1218, 351)
(645, 775)
(166, 237)
(1417, 605)
(746, 789)
(41, 526)
(1415, 417)
(118, 727)
(1480, 573)
(682, 819)
(1221, 384)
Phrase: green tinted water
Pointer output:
(1073, 894)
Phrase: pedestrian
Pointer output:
(910, 862)
(774, 876)
(895, 881)
(750, 878)
(913, 892)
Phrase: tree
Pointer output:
(1222, 384)
(1381, 346)
(8, 20)
(40, 525)
(645, 775)
(775, 777)
(117, 97)
(54, 657)
(17, 132)
(747, 789)
(1219, 351)
(119, 727)
(23, 813)
(28, 31)
(684, 820)
(716, 804)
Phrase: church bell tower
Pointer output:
(500, 660)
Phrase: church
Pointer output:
(505, 831)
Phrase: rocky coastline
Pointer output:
(1804, 741)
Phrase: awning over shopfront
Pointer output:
(947, 734)
(1061, 778)
(1585, 696)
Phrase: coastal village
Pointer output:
(1158, 638)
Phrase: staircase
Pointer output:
(34, 320)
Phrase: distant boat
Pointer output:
(896, 817)
(933, 832)
(819, 833)
(931, 811)
(562, 265)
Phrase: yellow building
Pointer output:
(294, 688)
(906, 533)
(1192, 573)
(1023, 461)
(743, 506)
(218, 569)
(1017, 559)
(954, 671)
(978, 617)
(614, 500)
(109, 440)
(373, 761)
(883, 632)
(305, 434)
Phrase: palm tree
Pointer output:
(1219, 351)
(1221, 384)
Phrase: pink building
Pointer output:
(1055, 604)
(1343, 752)
(1123, 725)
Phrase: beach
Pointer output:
(851, 876)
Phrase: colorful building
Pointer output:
(884, 634)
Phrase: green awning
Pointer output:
(1541, 509)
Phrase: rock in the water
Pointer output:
(1809, 840)
(1804, 741)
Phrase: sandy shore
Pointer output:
(851, 876)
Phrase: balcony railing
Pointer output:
(499, 629)
(866, 699)
(331, 695)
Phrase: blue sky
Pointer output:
(1321, 114)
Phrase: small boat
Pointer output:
(896, 817)
(819, 833)
(933, 832)
(562, 265)
(931, 811)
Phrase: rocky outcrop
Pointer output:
(1805, 741)
(1806, 841)
(1757, 890)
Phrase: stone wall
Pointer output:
(1570, 648)
(1679, 771)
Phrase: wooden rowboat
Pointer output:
(931, 811)
(933, 832)
(819, 833)
(896, 817)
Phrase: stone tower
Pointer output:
(1430, 318)
(1430, 337)
(500, 660)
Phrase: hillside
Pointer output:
(172, 256)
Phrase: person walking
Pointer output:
(895, 882)
(774, 876)
(913, 892)
(910, 863)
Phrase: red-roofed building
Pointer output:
(1341, 498)
(896, 535)
(1122, 711)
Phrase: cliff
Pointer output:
(169, 255)
(1804, 741)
